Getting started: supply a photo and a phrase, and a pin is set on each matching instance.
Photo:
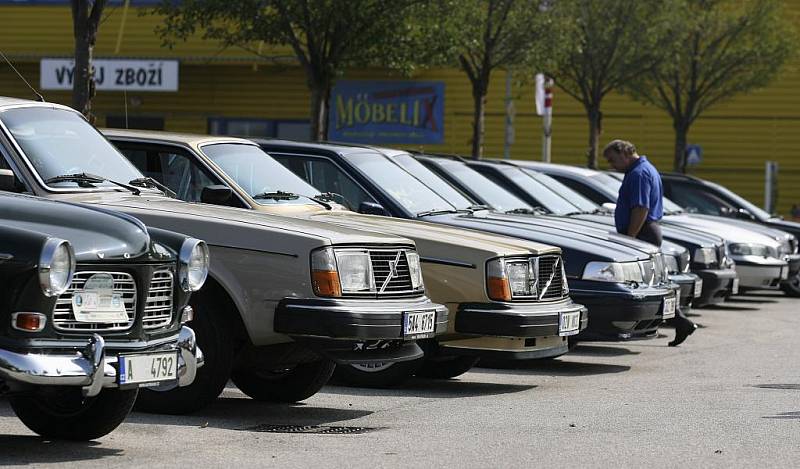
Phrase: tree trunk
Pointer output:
(681, 133)
(595, 129)
(479, 117)
(85, 23)
(320, 93)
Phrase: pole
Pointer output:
(547, 118)
(770, 185)
(509, 137)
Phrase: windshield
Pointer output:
(432, 180)
(549, 199)
(404, 188)
(258, 173)
(499, 198)
(613, 184)
(59, 142)
(754, 209)
(567, 193)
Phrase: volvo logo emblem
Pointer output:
(556, 269)
(392, 271)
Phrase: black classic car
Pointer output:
(705, 197)
(93, 307)
(604, 275)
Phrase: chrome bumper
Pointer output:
(90, 368)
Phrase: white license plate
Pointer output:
(669, 308)
(698, 287)
(419, 323)
(735, 286)
(148, 368)
(569, 323)
(784, 273)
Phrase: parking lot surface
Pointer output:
(729, 396)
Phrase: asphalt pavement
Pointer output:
(728, 397)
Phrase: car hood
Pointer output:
(95, 233)
(685, 236)
(212, 222)
(792, 227)
(729, 232)
(771, 231)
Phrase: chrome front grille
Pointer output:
(391, 272)
(721, 255)
(550, 278)
(64, 320)
(158, 305)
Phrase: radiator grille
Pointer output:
(158, 306)
(64, 320)
(550, 278)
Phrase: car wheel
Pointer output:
(284, 385)
(792, 286)
(63, 413)
(377, 375)
(446, 367)
(215, 339)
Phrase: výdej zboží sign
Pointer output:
(387, 112)
(113, 74)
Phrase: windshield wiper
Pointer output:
(527, 211)
(88, 180)
(477, 207)
(277, 195)
(150, 182)
(426, 213)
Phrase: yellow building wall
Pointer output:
(737, 137)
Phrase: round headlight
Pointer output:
(56, 266)
(193, 264)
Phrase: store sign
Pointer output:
(405, 112)
(113, 74)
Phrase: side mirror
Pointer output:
(216, 195)
(744, 214)
(372, 208)
(8, 181)
(609, 206)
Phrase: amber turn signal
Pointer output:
(28, 322)
(499, 289)
(326, 283)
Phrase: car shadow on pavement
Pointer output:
(751, 301)
(784, 416)
(234, 411)
(31, 450)
(434, 388)
(601, 350)
(556, 367)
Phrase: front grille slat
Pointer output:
(550, 281)
(64, 320)
(158, 307)
(399, 285)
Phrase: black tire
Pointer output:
(290, 385)
(446, 368)
(384, 375)
(215, 339)
(63, 413)
(791, 287)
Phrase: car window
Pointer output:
(433, 180)
(583, 189)
(694, 199)
(324, 175)
(563, 190)
(498, 197)
(172, 167)
(545, 197)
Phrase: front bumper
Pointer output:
(93, 367)
(619, 311)
(512, 330)
(717, 285)
(357, 331)
(761, 273)
(794, 267)
(689, 286)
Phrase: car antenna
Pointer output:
(39, 96)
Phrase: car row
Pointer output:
(372, 263)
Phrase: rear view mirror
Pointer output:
(8, 181)
(609, 206)
(372, 208)
(216, 195)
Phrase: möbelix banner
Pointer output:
(113, 74)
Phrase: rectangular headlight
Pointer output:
(520, 278)
(415, 270)
(355, 271)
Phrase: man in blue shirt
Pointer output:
(640, 207)
(639, 204)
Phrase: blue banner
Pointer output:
(406, 112)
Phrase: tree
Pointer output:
(326, 36)
(613, 41)
(86, 16)
(725, 48)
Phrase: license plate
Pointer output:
(148, 368)
(735, 286)
(698, 287)
(669, 308)
(569, 323)
(419, 323)
(784, 273)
